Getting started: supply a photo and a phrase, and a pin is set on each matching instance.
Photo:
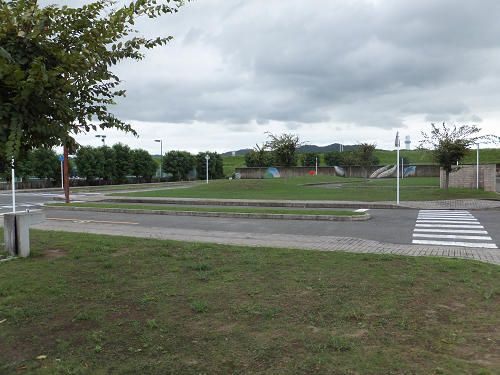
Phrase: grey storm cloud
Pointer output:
(297, 62)
(360, 63)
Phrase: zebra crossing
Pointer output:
(450, 228)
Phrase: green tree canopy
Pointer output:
(215, 165)
(178, 164)
(45, 163)
(55, 77)
(123, 161)
(259, 157)
(333, 158)
(309, 159)
(284, 148)
(89, 162)
(108, 169)
(143, 164)
(449, 146)
(364, 156)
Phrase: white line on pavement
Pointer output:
(452, 236)
(451, 230)
(474, 226)
(452, 243)
(447, 222)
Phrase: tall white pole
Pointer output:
(477, 167)
(13, 187)
(62, 175)
(316, 166)
(397, 167)
(207, 158)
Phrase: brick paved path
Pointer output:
(325, 243)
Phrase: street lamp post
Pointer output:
(477, 167)
(207, 158)
(13, 187)
(103, 137)
(161, 154)
(397, 143)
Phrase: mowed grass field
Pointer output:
(94, 304)
(293, 189)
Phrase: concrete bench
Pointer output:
(17, 231)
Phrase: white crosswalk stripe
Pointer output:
(445, 227)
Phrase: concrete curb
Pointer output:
(251, 203)
(457, 204)
(238, 215)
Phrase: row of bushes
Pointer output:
(308, 159)
(116, 163)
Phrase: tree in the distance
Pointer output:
(284, 149)
(109, 166)
(123, 161)
(55, 77)
(349, 158)
(143, 164)
(450, 145)
(333, 158)
(309, 159)
(215, 165)
(259, 157)
(46, 164)
(364, 156)
(89, 162)
(178, 164)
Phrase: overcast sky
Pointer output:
(327, 70)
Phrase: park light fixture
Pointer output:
(103, 137)
(161, 155)
(397, 144)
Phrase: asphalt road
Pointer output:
(386, 225)
(389, 226)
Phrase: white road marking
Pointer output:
(361, 210)
(452, 243)
(453, 236)
(431, 226)
(448, 226)
(450, 231)
(446, 222)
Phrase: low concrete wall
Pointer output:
(79, 183)
(465, 177)
(354, 171)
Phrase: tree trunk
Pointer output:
(365, 174)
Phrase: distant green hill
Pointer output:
(306, 148)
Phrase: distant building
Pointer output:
(407, 142)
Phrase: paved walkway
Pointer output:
(324, 243)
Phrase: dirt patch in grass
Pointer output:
(53, 254)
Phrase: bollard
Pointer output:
(17, 231)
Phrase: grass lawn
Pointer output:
(93, 304)
(293, 190)
(403, 182)
(210, 209)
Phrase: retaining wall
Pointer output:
(465, 177)
(79, 183)
(354, 171)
